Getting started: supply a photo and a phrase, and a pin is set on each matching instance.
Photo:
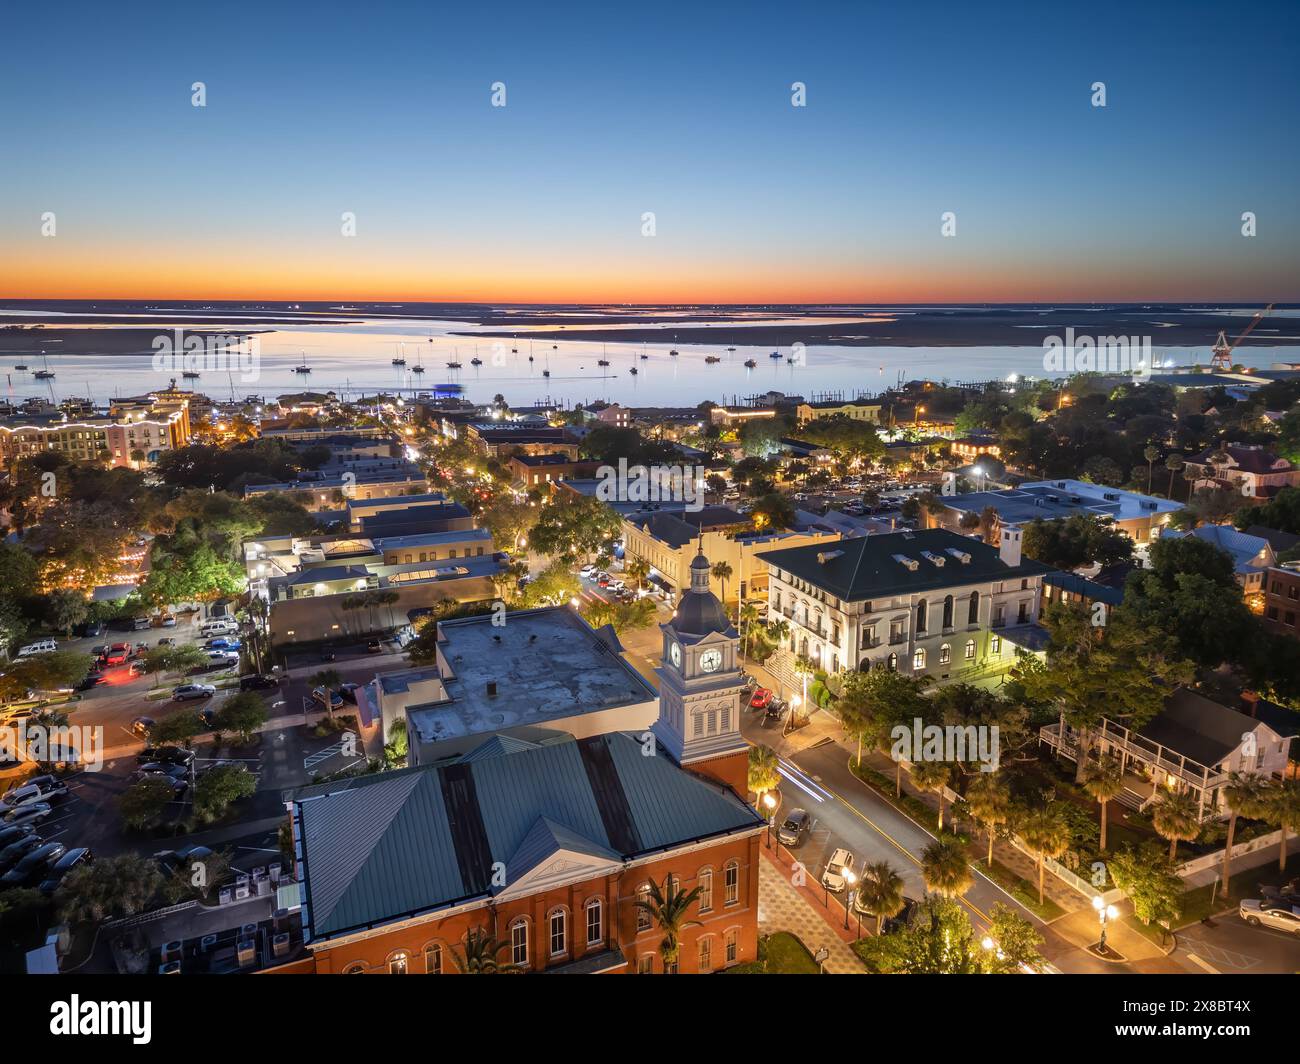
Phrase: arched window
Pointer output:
(356, 968)
(920, 615)
(433, 959)
(399, 963)
(642, 916)
(970, 650)
(945, 654)
(973, 615)
(947, 611)
(519, 941)
(706, 954)
(731, 881)
(918, 659)
(732, 943)
(705, 882)
(557, 923)
(595, 922)
(892, 662)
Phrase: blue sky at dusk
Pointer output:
(684, 110)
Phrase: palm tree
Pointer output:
(388, 599)
(667, 907)
(932, 776)
(764, 770)
(1150, 453)
(1173, 463)
(110, 888)
(1173, 815)
(1104, 781)
(637, 569)
(944, 867)
(480, 954)
(722, 571)
(880, 892)
(989, 799)
(1046, 832)
(1246, 795)
(1283, 809)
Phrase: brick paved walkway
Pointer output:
(781, 907)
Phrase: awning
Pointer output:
(610, 960)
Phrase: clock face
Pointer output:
(711, 660)
(675, 653)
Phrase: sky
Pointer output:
(613, 111)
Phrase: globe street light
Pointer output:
(1105, 913)
(769, 803)
(849, 880)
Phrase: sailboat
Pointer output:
(750, 363)
(304, 368)
(20, 366)
(399, 360)
(419, 364)
(45, 374)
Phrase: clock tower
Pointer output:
(699, 687)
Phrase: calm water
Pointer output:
(356, 358)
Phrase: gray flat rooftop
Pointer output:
(548, 664)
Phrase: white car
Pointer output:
(30, 793)
(223, 657)
(25, 815)
(587, 570)
(193, 690)
(1278, 915)
(838, 868)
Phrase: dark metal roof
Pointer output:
(864, 568)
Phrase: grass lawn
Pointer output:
(1022, 890)
(782, 953)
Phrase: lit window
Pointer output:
(433, 959)
(706, 890)
(595, 923)
(945, 654)
(970, 650)
(918, 659)
(642, 916)
(706, 954)
(557, 922)
(399, 964)
(731, 882)
(519, 942)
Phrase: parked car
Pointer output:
(91, 680)
(10, 835)
(18, 848)
(348, 692)
(160, 768)
(224, 642)
(99, 650)
(760, 698)
(586, 570)
(374, 646)
(1277, 915)
(168, 621)
(169, 755)
(167, 641)
(838, 868)
(118, 653)
(78, 855)
(794, 829)
(257, 682)
(32, 791)
(138, 668)
(193, 690)
(221, 658)
(92, 630)
(33, 864)
(142, 726)
(328, 699)
(141, 623)
(30, 814)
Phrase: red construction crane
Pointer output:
(1222, 357)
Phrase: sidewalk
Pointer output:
(784, 907)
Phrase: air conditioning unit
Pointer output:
(170, 968)
(173, 951)
(245, 952)
(280, 945)
(207, 943)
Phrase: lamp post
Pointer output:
(769, 803)
(849, 880)
(1105, 913)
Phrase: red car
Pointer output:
(760, 699)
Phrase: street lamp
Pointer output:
(1104, 913)
(769, 803)
(849, 880)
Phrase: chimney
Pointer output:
(1250, 703)
(1009, 546)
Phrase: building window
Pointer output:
(892, 662)
(945, 654)
(433, 959)
(970, 650)
(973, 614)
(519, 942)
(732, 945)
(399, 964)
(1023, 614)
(731, 882)
(595, 923)
(645, 964)
(358, 968)
(706, 954)
(921, 616)
(918, 659)
(947, 611)
(995, 644)
(705, 883)
(642, 916)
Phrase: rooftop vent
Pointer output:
(934, 559)
(824, 556)
(1113, 496)
(1060, 483)
(1040, 501)
(491, 688)
(961, 555)
(911, 564)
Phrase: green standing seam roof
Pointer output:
(380, 847)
